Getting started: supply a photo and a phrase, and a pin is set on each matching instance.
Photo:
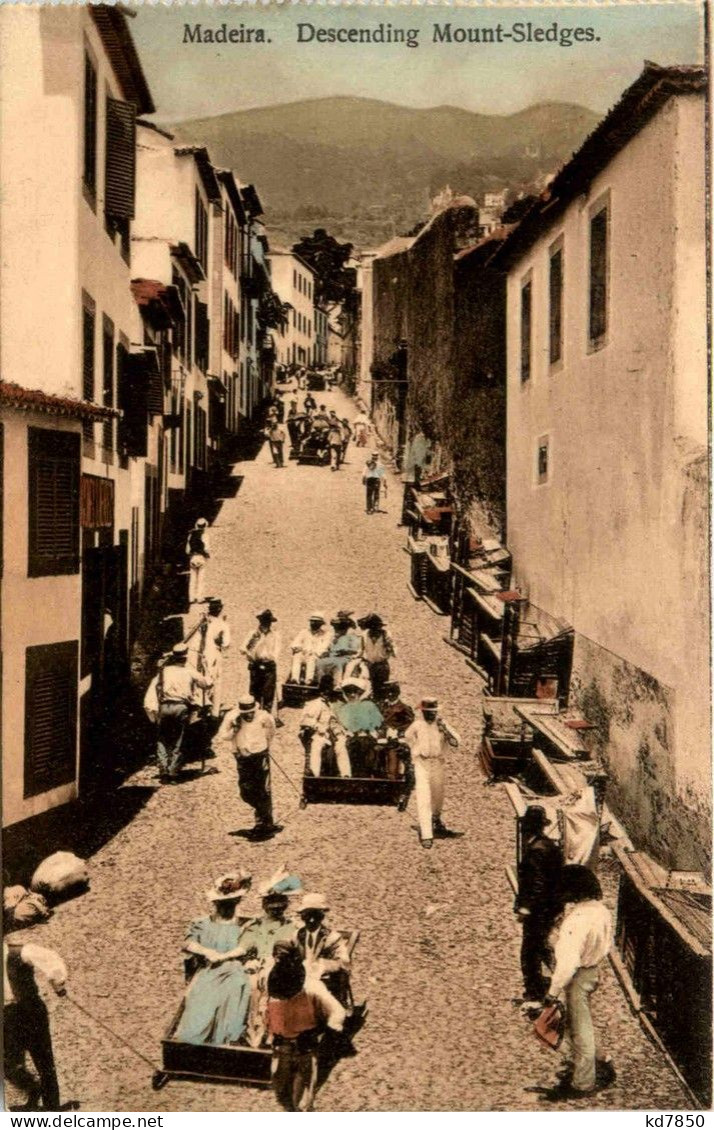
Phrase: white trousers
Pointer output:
(429, 781)
(197, 577)
(318, 742)
(300, 660)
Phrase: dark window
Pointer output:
(556, 306)
(598, 277)
(542, 468)
(50, 716)
(120, 164)
(202, 336)
(108, 380)
(88, 324)
(189, 327)
(133, 396)
(179, 333)
(90, 125)
(201, 232)
(53, 502)
(526, 317)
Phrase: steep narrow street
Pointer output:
(437, 959)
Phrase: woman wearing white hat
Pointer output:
(218, 996)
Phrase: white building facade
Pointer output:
(67, 158)
(294, 282)
(607, 447)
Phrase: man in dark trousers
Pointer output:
(537, 901)
(26, 1025)
(262, 650)
(250, 731)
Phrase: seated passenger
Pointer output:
(260, 936)
(377, 649)
(359, 719)
(324, 951)
(398, 717)
(346, 645)
(307, 647)
(319, 730)
(218, 996)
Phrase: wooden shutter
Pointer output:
(53, 504)
(108, 380)
(202, 331)
(120, 178)
(134, 403)
(90, 124)
(50, 716)
(87, 353)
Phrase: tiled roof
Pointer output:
(496, 236)
(34, 400)
(205, 168)
(160, 303)
(638, 104)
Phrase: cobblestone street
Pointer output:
(437, 959)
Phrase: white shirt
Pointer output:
(39, 957)
(317, 715)
(313, 643)
(584, 941)
(178, 684)
(262, 645)
(426, 739)
(217, 639)
(377, 649)
(247, 737)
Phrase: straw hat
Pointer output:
(314, 901)
(230, 887)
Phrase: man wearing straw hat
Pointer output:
(429, 738)
(324, 951)
(251, 731)
(374, 479)
(308, 646)
(262, 650)
(168, 701)
(198, 550)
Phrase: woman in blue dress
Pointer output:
(218, 996)
(346, 646)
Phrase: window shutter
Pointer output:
(202, 328)
(87, 353)
(134, 403)
(50, 716)
(155, 388)
(53, 485)
(119, 185)
(90, 124)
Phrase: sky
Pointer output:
(191, 80)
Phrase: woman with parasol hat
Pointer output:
(218, 996)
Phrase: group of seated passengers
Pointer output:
(346, 733)
(360, 649)
(227, 998)
(318, 433)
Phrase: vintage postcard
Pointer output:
(382, 783)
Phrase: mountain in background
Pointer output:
(366, 169)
